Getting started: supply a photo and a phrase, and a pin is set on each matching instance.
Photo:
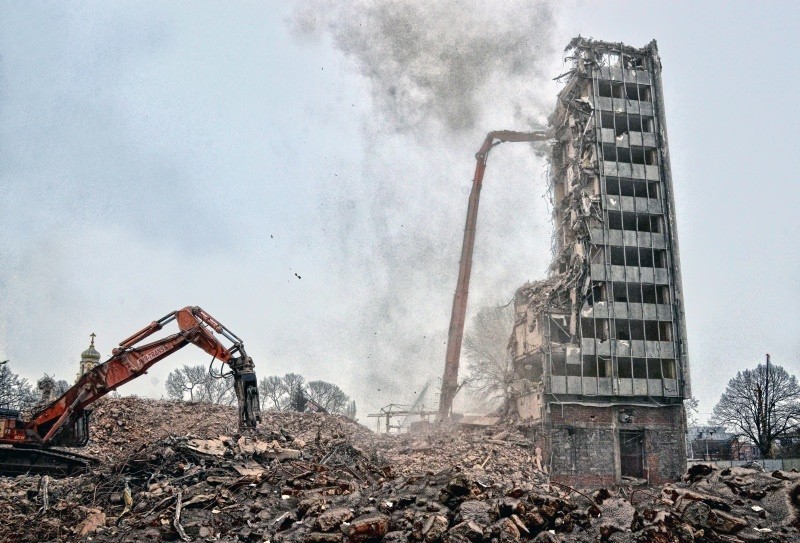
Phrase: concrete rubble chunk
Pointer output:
(469, 530)
(333, 518)
(366, 527)
(95, 518)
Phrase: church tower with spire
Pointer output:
(89, 359)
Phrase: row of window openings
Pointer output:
(631, 91)
(632, 155)
(644, 257)
(635, 293)
(626, 330)
(623, 124)
(622, 186)
(627, 368)
(635, 222)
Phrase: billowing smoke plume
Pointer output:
(440, 76)
(441, 62)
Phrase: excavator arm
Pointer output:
(457, 318)
(63, 422)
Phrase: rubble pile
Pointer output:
(502, 457)
(321, 478)
(121, 425)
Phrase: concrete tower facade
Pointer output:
(599, 346)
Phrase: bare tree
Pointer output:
(272, 389)
(15, 391)
(691, 406)
(293, 382)
(329, 396)
(489, 364)
(350, 411)
(762, 404)
(292, 392)
(200, 385)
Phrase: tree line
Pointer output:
(292, 391)
(15, 391)
(18, 393)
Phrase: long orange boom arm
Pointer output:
(457, 317)
(131, 360)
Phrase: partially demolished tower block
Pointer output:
(599, 346)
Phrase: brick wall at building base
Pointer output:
(593, 446)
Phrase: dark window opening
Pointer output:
(637, 330)
(634, 292)
(607, 89)
(665, 331)
(634, 155)
(622, 124)
(668, 367)
(631, 187)
(637, 256)
(558, 328)
(655, 294)
(643, 155)
(639, 368)
(603, 367)
(644, 93)
(624, 368)
(651, 331)
(631, 91)
(573, 370)
(652, 258)
(596, 367)
(558, 363)
(654, 369)
(594, 328)
(596, 294)
(589, 366)
(620, 292)
(638, 222)
(662, 293)
(639, 293)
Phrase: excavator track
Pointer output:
(16, 460)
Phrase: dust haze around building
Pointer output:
(434, 93)
(141, 202)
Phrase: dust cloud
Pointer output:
(440, 75)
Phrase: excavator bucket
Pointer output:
(249, 404)
(246, 386)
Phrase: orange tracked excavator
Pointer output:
(27, 444)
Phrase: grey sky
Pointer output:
(154, 156)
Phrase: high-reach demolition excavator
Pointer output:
(458, 315)
(26, 445)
